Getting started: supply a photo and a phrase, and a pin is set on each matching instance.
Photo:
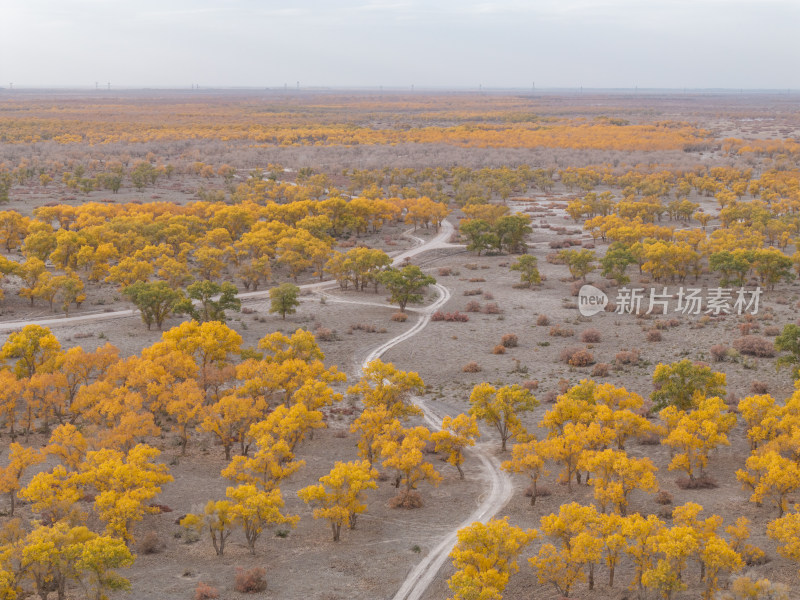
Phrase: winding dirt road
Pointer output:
(498, 485)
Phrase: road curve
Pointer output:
(438, 241)
(499, 486)
(498, 483)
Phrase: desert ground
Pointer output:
(374, 560)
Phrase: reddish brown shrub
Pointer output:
(543, 320)
(473, 306)
(499, 349)
(444, 271)
(488, 296)
(663, 497)
(250, 581)
(718, 352)
(476, 280)
(627, 357)
(759, 388)
(151, 544)
(560, 331)
(324, 334)
(450, 317)
(490, 308)
(583, 358)
(477, 292)
(205, 592)
(654, 335)
(772, 331)
(754, 345)
(577, 357)
(590, 336)
(704, 482)
(531, 384)
(406, 499)
(601, 370)
(400, 317)
(748, 328)
(550, 397)
(509, 340)
(471, 367)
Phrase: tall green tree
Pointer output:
(155, 300)
(284, 299)
(405, 285)
(207, 301)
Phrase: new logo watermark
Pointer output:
(686, 301)
(591, 300)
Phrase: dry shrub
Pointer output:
(471, 367)
(151, 544)
(772, 331)
(543, 320)
(490, 308)
(488, 296)
(541, 491)
(559, 331)
(450, 317)
(577, 357)
(663, 497)
(660, 324)
(575, 288)
(704, 482)
(325, 335)
(444, 271)
(718, 352)
(473, 306)
(250, 581)
(601, 370)
(499, 349)
(584, 358)
(664, 513)
(611, 307)
(477, 280)
(759, 388)
(551, 397)
(748, 328)
(476, 292)
(531, 385)
(471, 266)
(406, 499)
(364, 327)
(627, 357)
(754, 345)
(400, 317)
(205, 592)
(650, 439)
(509, 340)
(563, 385)
(654, 335)
(590, 336)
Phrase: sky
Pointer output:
(459, 44)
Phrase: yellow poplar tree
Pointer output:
(500, 408)
(339, 497)
(485, 557)
(457, 433)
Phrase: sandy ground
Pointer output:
(372, 561)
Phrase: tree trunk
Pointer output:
(336, 527)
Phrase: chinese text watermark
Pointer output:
(686, 301)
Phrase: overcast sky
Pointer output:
(396, 43)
